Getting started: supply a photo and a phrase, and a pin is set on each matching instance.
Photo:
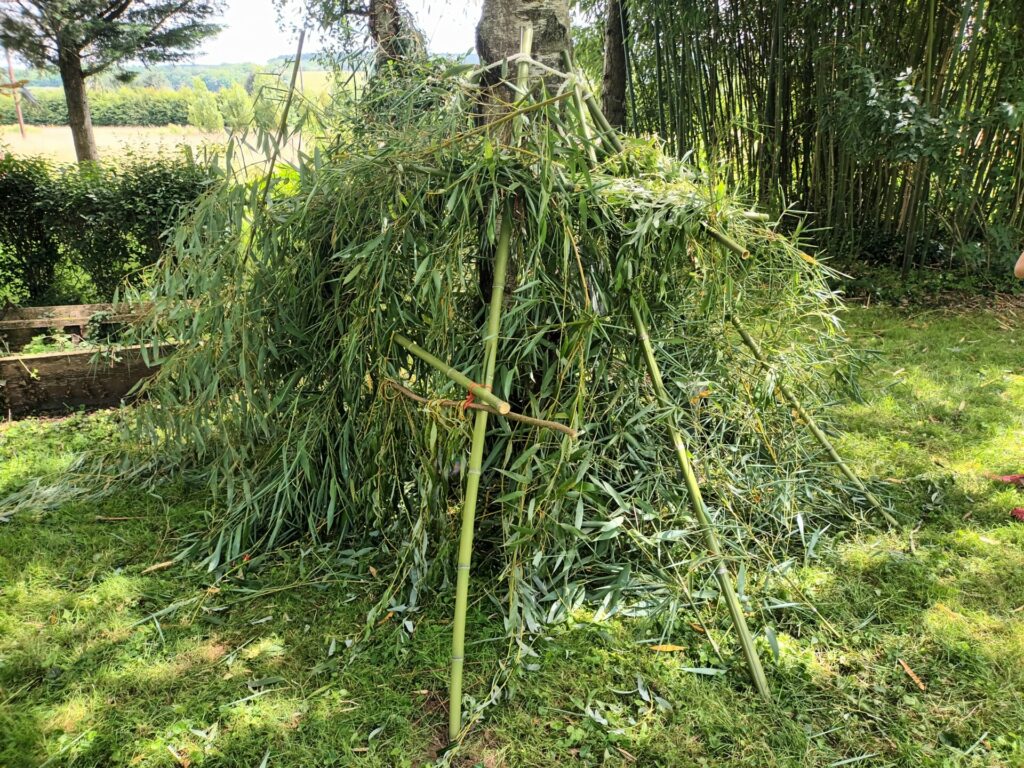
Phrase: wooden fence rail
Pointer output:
(58, 382)
(19, 324)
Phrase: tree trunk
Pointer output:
(70, 64)
(613, 90)
(392, 31)
(498, 32)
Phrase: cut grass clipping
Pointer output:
(300, 302)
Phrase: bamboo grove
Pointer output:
(898, 123)
(665, 353)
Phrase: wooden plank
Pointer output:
(68, 314)
(66, 321)
(78, 311)
(19, 324)
(56, 382)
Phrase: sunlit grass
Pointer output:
(92, 674)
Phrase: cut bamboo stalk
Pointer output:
(700, 512)
(812, 425)
(581, 117)
(604, 129)
(607, 131)
(523, 68)
(727, 241)
(479, 390)
(476, 456)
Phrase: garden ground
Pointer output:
(912, 656)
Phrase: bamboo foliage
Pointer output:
(288, 334)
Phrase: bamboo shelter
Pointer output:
(532, 319)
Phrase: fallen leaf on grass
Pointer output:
(158, 566)
(667, 648)
(912, 675)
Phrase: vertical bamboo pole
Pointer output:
(700, 512)
(476, 453)
(812, 425)
(14, 94)
(473, 478)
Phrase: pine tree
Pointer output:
(82, 38)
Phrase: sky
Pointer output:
(253, 33)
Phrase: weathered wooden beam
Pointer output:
(19, 324)
(66, 321)
(56, 382)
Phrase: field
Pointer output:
(912, 654)
(54, 141)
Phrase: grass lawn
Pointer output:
(105, 664)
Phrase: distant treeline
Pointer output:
(167, 76)
(125, 106)
(234, 108)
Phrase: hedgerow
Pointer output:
(107, 220)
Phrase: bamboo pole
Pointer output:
(604, 128)
(476, 456)
(812, 425)
(14, 93)
(523, 69)
(726, 241)
(479, 390)
(700, 512)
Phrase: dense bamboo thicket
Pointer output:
(899, 123)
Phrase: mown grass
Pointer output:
(95, 671)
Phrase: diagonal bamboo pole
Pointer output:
(479, 390)
(700, 512)
(812, 425)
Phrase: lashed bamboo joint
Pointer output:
(478, 390)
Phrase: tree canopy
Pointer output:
(85, 37)
(107, 33)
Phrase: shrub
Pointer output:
(105, 220)
(203, 111)
(28, 251)
(236, 106)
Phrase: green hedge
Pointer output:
(104, 221)
(125, 106)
